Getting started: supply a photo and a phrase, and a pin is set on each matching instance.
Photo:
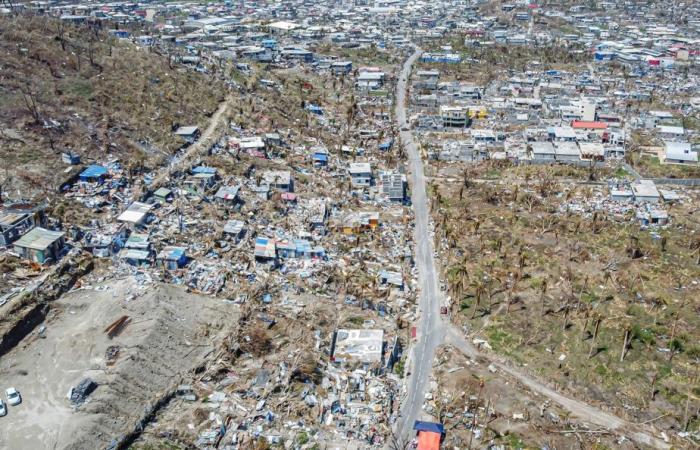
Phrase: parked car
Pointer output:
(443, 310)
(3, 408)
(13, 397)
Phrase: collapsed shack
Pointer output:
(79, 393)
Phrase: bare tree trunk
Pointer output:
(594, 338)
(625, 344)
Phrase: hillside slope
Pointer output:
(77, 88)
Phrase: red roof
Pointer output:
(428, 440)
(589, 125)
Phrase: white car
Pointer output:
(3, 408)
(13, 397)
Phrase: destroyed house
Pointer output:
(199, 183)
(135, 257)
(163, 195)
(262, 191)
(271, 249)
(235, 229)
(189, 134)
(454, 116)
(317, 213)
(279, 179)
(592, 151)
(253, 145)
(265, 249)
(357, 222)
(227, 195)
(40, 245)
(172, 258)
(16, 222)
(364, 346)
(341, 67)
(390, 278)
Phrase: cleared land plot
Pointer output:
(169, 333)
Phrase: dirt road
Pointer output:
(578, 409)
(203, 143)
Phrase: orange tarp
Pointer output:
(428, 440)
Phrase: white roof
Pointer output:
(567, 148)
(564, 132)
(186, 131)
(681, 151)
(592, 148)
(252, 142)
(542, 148)
(667, 129)
(282, 25)
(371, 76)
(360, 168)
(135, 213)
(645, 188)
(361, 345)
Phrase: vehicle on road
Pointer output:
(13, 397)
(405, 128)
(3, 408)
(443, 310)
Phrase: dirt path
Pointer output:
(205, 140)
(579, 409)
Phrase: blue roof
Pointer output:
(429, 426)
(320, 157)
(386, 144)
(93, 171)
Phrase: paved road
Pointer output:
(430, 330)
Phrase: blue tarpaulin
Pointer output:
(429, 426)
(92, 172)
(321, 157)
(314, 109)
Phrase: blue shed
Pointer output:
(386, 145)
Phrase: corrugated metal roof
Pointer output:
(39, 239)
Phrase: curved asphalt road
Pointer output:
(430, 329)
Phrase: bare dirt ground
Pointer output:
(170, 332)
(505, 413)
